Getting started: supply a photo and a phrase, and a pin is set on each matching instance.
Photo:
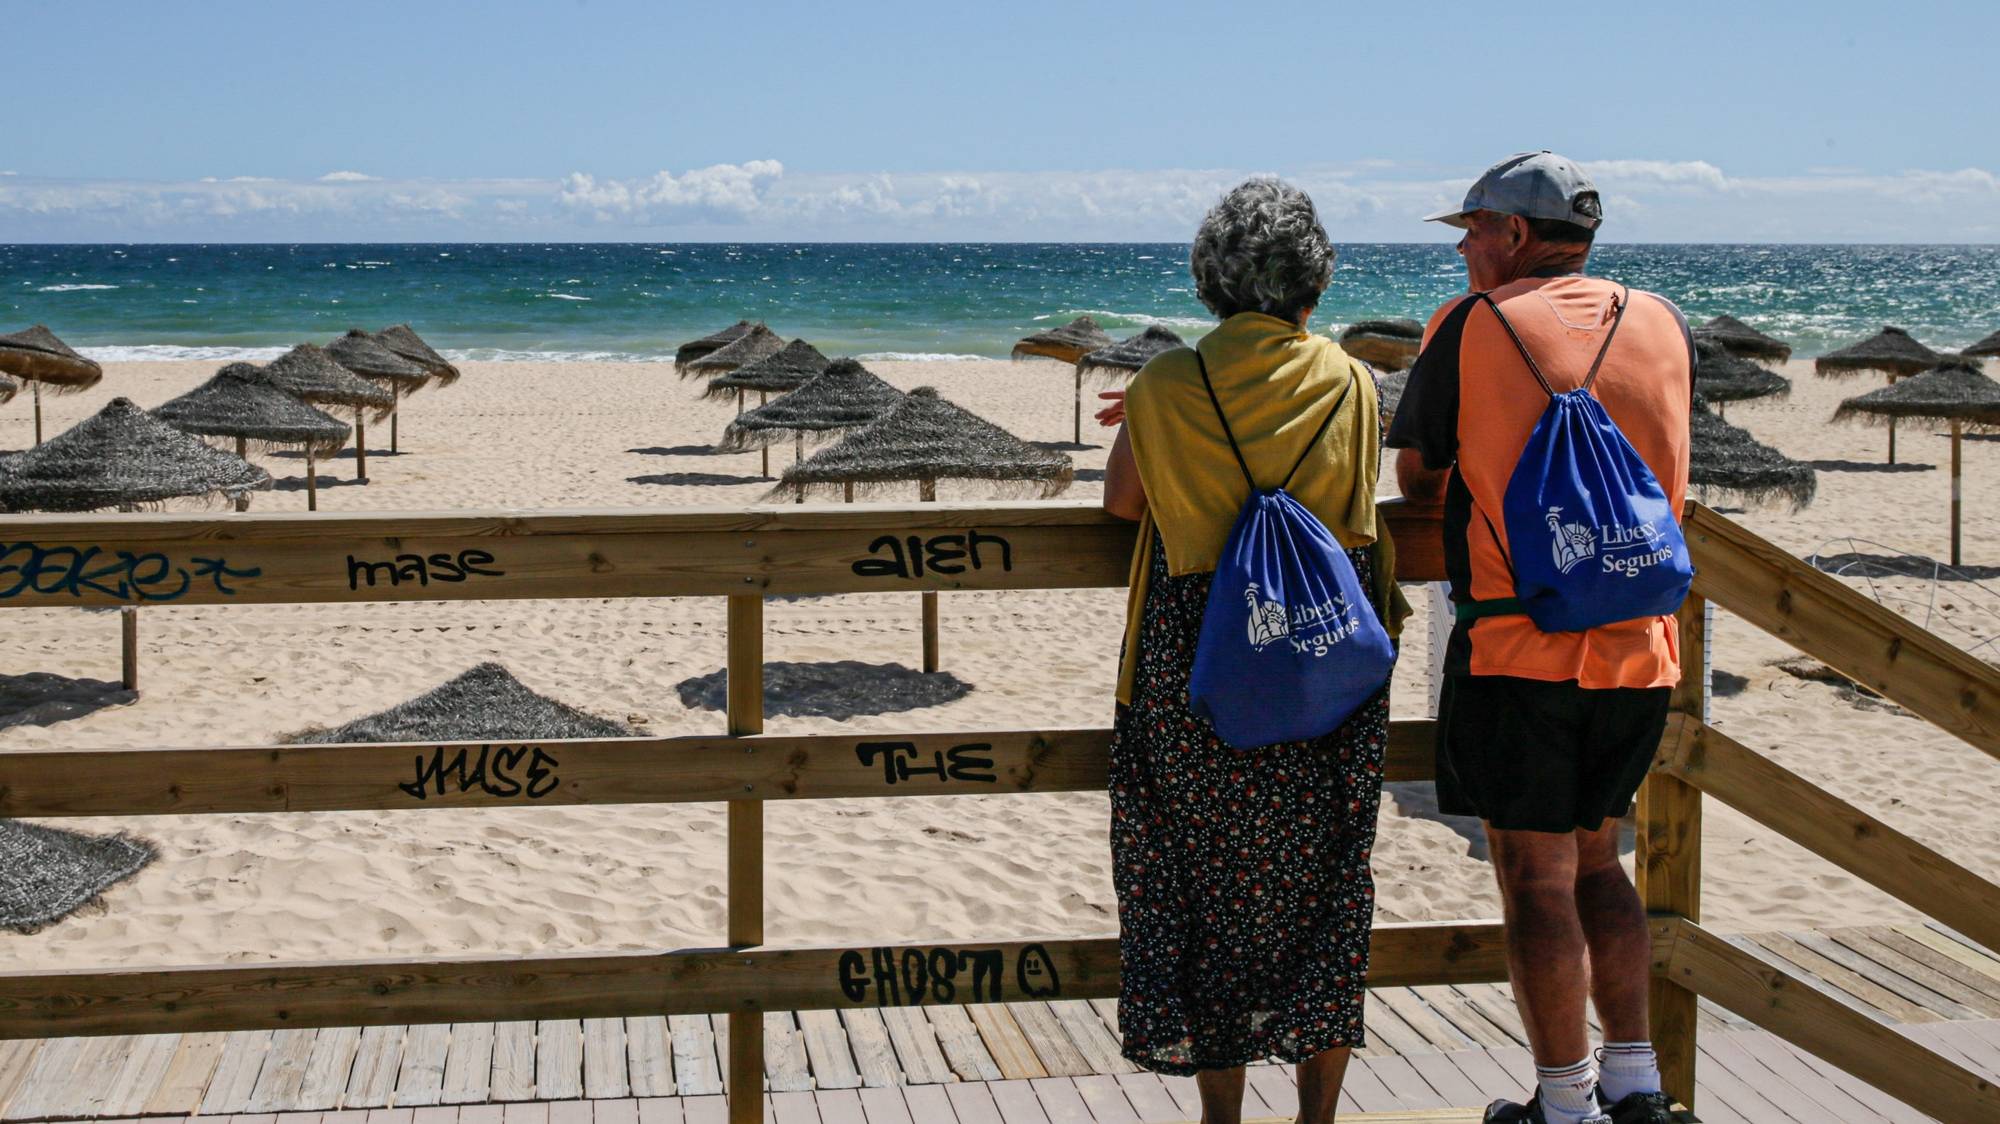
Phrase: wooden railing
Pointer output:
(747, 555)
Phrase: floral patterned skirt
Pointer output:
(1245, 900)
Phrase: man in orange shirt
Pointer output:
(1546, 736)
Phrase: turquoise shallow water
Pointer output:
(616, 301)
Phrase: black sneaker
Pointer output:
(1507, 1112)
(1638, 1108)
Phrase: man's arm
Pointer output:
(1417, 483)
(1425, 429)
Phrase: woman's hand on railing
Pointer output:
(1114, 414)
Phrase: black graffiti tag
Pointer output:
(909, 556)
(121, 575)
(971, 762)
(910, 977)
(420, 569)
(495, 770)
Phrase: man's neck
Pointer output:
(1552, 261)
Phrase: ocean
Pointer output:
(603, 301)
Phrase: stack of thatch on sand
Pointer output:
(1891, 351)
(1743, 341)
(922, 440)
(36, 355)
(1389, 344)
(121, 457)
(1723, 377)
(1120, 360)
(47, 873)
(242, 402)
(844, 396)
(309, 373)
(710, 344)
(484, 704)
(1725, 460)
(1955, 392)
(373, 360)
(757, 343)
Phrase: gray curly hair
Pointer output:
(1262, 249)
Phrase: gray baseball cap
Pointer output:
(1534, 185)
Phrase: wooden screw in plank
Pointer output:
(1668, 862)
(360, 446)
(927, 492)
(745, 688)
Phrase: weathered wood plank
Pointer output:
(1865, 993)
(1017, 1102)
(1007, 1045)
(1276, 1087)
(1389, 1034)
(1149, 1098)
(187, 1076)
(1418, 1017)
(840, 1106)
(1822, 1095)
(786, 1068)
(468, 1064)
(1968, 980)
(1450, 1082)
(697, 1067)
(1464, 1018)
(1060, 1101)
(45, 1091)
(963, 1049)
(649, 1056)
(17, 1058)
(831, 1059)
(513, 1061)
(377, 1060)
(137, 1076)
(1887, 979)
(874, 1053)
(558, 1058)
(1098, 1045)
(328, 1069)
(1059, 1056)
(420, 1080)
(283, 1077)
(888, 1105)
(235, 1075)
(604, 1073)
(916, 1046)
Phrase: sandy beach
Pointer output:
(549, 435)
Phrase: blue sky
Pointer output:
(607, 119)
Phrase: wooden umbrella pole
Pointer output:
(927, 493)
(1957, 492)
(850, 491)
(243, 454)
(312, 482)
(360, 446)
(38, 411)
(395, 417)
(1079, 406)
(766, 450)
(128, 623)
(1892, 429)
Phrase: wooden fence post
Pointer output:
(745, 687)
(1668, 862)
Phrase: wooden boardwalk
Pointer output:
(1430, 1048)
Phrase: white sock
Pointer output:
(1626, 1068)
(1566, 1092)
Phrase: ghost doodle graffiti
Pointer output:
(910, 977)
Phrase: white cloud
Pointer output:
(347, 177)
(718, 191)
(1627, 175)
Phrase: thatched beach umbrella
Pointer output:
(48, 873)
(757, 343)
(782, 373)
(1728, 460)
(1984, 349)
(1389, 344)
(709, 344)
(121, 457)
(1955, 392)
(404, 341)
(1120, 360)
(1067, 344)
(242, 402)
(844, 396)
(1891, 351)
(1723, 377)
(484, 704)
(1741, 340)
(310, 373)
(371, 359)
(35, 354)
(926, 439)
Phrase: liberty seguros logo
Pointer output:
(1308, 628)
(1612, 544)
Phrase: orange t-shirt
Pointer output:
(1470, 405)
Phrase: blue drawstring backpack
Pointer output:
(1290, 644)
(1594, 539)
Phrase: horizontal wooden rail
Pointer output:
(683, 770)
(1830, 827)
(1797, 1007)
(610, 985)
(1819, 615)
(861, 548)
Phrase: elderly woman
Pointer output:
(1244, 895)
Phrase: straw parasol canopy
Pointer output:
(1890, 351)
(371, 359)
(1725, 459)
(406, 343)
(1954, 392)
(1389, 344)
(1722, 376)
(240, 401)
(37, 355)
(757, 343)
(926, 438)
(1986, 348)
(1069, 343)
(1129, 355)
(786, 371)
(844, 396)
(310, 373)
(1740, 339)
(8, 389)
(121, 457)
(485, 704)
(47, 873)
(710, 344)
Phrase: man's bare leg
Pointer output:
(1319, 1084)
(1546, 951)
(1614, 926)
(1221, 1095)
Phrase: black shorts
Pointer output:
(1527, 755)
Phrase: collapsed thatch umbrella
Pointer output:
(35, 354)
(782, 373)
(310, 373)
(709, 344)
(372, 359)
(1722, 376)
(1389, 344)
(485, 703)
(757, 343)
(844, 396)
(1741, 340)
(242, 402)
(1121, 359)
(1067, 344)
(1725, 459)
(926, 439)
(47, 873)
(1891, 351)
(404, 341)
(121, 457)
(1955, 392)
(1984, 349)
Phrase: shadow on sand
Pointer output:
(687, 478)
(298, 483)
(1869, 466)
(1854, 565)
(43, 699)
(680, 451)
(1064, 446)
(838, 689)
(1418, 801)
